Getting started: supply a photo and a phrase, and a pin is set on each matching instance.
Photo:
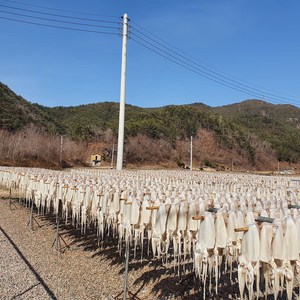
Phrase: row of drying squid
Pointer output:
(217, 221)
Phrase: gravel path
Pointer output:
(17, 279)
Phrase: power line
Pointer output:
(262, 89)
(58, 15)
(210, 71)
(190, 68)
(59, 27)
(195, 69)
(58, 21)
(62, 10)
(155, 44)
(179, 50)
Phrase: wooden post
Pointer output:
(198, 218)
(152, 207)
(241, 229)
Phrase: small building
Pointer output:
(96, 159)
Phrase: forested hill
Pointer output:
(277, 124)
(16, 113)
(247, 129)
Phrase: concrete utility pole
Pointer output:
(122, 96)
(61, 150)
(191, 154)
(112, 157)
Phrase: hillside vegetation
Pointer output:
(251, 134)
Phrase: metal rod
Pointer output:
(10, 199)
(264, 219)
(212, 209)
(57, 234)
(126, 270)
(293, 206)
(31, 215)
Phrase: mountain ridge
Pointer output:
(249, 128)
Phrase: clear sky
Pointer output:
(255, 42)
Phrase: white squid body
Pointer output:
(135, 212)
(192, 227)
(291, 238)
(116, 202)
(206, 241)
(145, 214)
(279, 255)
(297, 221)
(182, 215)
(249, 261)
(125, 225)
(231, 247)
(173, 233)
(266, 237)
(84, 208)
(221, 232)
(158, 230)
(94, 206)
(292, 253)
(221, 242)
(182, 227)
(134, 221)
(144, 220)
(76, 207)
(240, 222)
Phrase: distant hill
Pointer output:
(251, 129)
(281, 112)
(277, 124)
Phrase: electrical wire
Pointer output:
(196, 69)
(58, 21)
(179, 50)
(191, 68)
(155, 44)
(207, 71)
(261, 89)
(58, 15)
(59, 27)
(61, 10)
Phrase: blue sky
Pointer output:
(257, 42)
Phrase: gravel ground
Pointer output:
(16, 279)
